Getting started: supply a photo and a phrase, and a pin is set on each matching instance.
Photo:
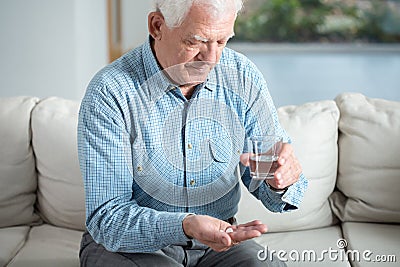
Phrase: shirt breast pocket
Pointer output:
(141, 160)
(221, 149)
(225, 155)
(148, 175)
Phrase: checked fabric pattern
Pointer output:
(149, 156)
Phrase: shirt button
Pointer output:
(139, 168)
(190, 146)
(192, 182)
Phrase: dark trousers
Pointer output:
(192, 254)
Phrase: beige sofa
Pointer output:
(349, 149)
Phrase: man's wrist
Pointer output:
(276, 190)
(186, 225)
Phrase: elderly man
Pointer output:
(161, 133)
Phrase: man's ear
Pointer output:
(155, 22)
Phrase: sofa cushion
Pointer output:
(313, 130)
(382, 240)
(369, 167)
(60, 186)
(18, 180)
(49, 246)
(11, 241)
(303, 248)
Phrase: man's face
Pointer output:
(188, 52)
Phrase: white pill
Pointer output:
(229, 230)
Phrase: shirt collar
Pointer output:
(209, 84)
(156, 82)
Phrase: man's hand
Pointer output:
(213, 232)
(289, 168)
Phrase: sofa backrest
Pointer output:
(54, 139)
(18, 181)
(369, 160)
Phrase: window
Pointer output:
(333, 21)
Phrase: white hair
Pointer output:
(175, 11)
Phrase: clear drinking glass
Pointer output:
(264, 155)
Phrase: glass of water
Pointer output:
(264, 155)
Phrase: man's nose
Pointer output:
(209, 52)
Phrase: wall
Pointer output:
(91, 40)
(51, 47)
(134, 22)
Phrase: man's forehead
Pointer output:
(202, 26)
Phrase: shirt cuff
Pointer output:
(295, 193)
(290, 200)
(171, 228)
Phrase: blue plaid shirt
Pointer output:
(149, 156)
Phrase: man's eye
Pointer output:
(192, 43)
(222, 42)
